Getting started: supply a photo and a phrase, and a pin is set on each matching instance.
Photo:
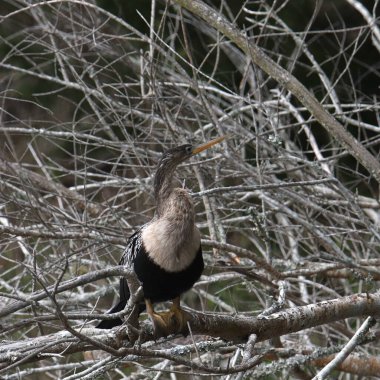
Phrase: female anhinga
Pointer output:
(165, 253)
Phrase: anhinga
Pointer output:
(165, 253)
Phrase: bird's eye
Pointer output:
(189, 149)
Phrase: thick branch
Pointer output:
(287, 321)
(229, 327)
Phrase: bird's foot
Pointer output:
(161, 324)
(170, 322)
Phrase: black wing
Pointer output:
(133, 246)
(131, 250)
(129, 255)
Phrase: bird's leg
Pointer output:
(158, 320)
(180, 316)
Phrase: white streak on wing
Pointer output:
(132, 248)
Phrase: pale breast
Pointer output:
(169, 245)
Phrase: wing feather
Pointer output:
(132, 248)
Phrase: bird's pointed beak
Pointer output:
(207, 145)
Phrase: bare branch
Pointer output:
(284, 78)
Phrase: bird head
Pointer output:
(170, 160)
(183, 152)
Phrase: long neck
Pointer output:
(163, 184)
(171, 239)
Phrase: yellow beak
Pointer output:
(207, 145)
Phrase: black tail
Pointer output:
(124, 297)
(109, 323)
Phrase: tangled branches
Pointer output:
(287, 210)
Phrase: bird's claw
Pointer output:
(170, 322)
